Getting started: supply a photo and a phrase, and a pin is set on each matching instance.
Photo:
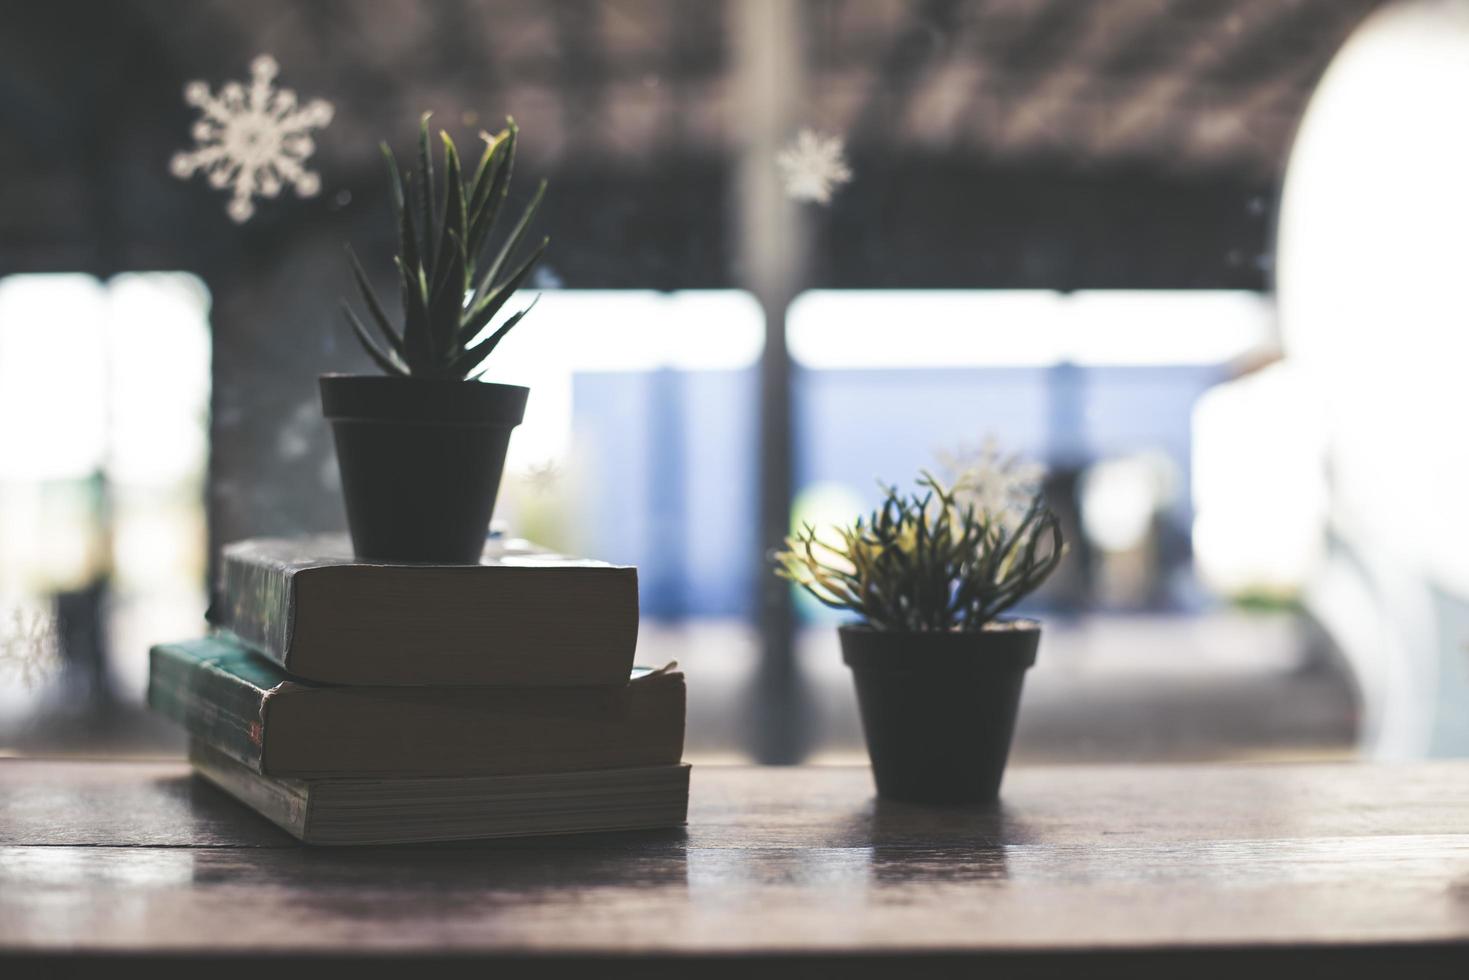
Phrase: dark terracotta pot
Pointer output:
(420, 462)
(938, 709)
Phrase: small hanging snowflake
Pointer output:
(252, 138)
(813, 166)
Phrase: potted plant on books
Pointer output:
(938, 670)
(422, 447)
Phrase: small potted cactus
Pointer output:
(421, 448)
(938, 668)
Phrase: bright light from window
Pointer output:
(578, 331)
(1259, 485)
(160, 351)
(1373, 258)
(81, 361)
(1025, 328)
(1374, 318)
(53, 377)
(102, 380)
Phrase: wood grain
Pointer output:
(1242, 860)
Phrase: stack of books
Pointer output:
(360, 703)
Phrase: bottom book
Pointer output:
(444, 808)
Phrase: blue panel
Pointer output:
(668, 468)
(670, 483)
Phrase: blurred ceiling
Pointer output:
(1177, 85)
(1198, 92)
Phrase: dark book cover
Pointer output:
(522, 617)
(418, 810)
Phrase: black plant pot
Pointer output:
(420, 462)
(938, 709)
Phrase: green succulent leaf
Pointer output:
(379, 357)
(498, 188)
(395, 182)
(447, 299)
(492, 163)
(374, 306)
(415, 318)
(453, 221)
(412, 293)
(447, 287)
(427, 196)
(512, 242)
(471, 358)
(484, 311)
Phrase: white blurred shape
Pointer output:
(1374, 264)
(101, 379)
(1373, 249)
(53, 377)
(1025, 327)
(158, 331)
(1163, 327)
(1120, 498)
(584, 330)
(1259, 484)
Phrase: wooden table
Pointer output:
(1126, 871)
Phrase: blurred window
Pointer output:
(638, 443)
(1099, 386)
(104, 408)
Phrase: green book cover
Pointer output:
(217, 690)
(256, 713)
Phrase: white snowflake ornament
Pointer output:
(813, 166)
(253, 139)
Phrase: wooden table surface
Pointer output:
(1096, 870)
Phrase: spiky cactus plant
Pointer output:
(452, 283)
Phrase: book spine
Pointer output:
(256, 603)
(213, 705)
(285, 804)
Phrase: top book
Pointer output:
(522, 617)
